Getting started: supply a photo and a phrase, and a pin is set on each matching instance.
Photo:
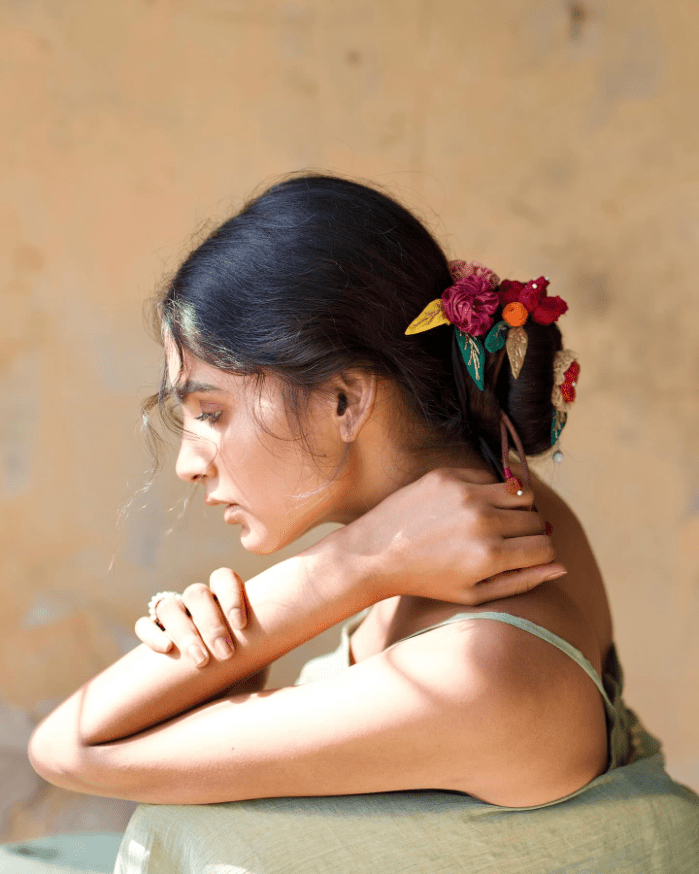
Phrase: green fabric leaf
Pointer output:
(496, 336)
(474, 356)
(557, 424)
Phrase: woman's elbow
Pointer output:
(57, 759)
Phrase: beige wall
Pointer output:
(538, 137)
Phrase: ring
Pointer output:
(155, 600)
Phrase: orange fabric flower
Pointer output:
(515, 314)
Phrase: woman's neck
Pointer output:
(375, 472)
(382, 458)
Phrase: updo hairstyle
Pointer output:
(319, 274)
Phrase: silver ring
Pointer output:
(155, 600)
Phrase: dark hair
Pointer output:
(320, 274)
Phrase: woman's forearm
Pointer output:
(289, 603)
(438, 537)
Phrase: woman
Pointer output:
(329, 364)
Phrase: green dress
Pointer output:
(632, 819)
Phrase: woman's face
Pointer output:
(258, 478)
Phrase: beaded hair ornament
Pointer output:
(470, 304)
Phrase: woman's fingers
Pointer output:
(208, 620)
(525, 562)
(510, 583)
(182, 630)
(229, 590)
(498, 496)
(511, 555)
(520, 523)
(526, 552)
(149, 633)
(183, 619)
(198, 625)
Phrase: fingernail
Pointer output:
(555, 576)
(196, 654)
(222, 648)
(236, 618)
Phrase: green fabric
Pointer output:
(474, 357)
(633, 819)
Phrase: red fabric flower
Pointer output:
(570, 379)
(471, 302)
(544, 310)
(510, 291)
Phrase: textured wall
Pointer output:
(538, 137)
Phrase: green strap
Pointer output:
(537, 631)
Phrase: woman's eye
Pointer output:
(210, 417)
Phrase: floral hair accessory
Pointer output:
(544, 310)
(566, 371)
(519, 301)
(469, 304)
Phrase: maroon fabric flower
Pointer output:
(471, 302)
(510, 291)
(544, 310)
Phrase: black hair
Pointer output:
(319, 274)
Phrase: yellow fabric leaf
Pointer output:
(431, 317)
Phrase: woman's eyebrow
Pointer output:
(183, 390)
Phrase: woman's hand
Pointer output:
(199, 624)
(453, 536)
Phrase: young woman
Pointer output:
(330, 365)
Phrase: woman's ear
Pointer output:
(354, 396)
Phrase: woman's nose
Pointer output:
(195, 459)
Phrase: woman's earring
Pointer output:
(341, 404)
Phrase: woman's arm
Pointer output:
(439, 536)
(289, 603)
(485, 710)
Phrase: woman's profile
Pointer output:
(325, 362)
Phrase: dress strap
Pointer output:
(537, 631)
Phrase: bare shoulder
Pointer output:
(533, 719)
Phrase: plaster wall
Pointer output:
(536, 136)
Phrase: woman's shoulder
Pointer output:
(523, 678)
(535, 717)
(573, 607)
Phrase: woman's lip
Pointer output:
(231, 511)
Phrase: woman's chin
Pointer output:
(264, 541)
(256, 542)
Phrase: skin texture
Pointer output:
(477, 707)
